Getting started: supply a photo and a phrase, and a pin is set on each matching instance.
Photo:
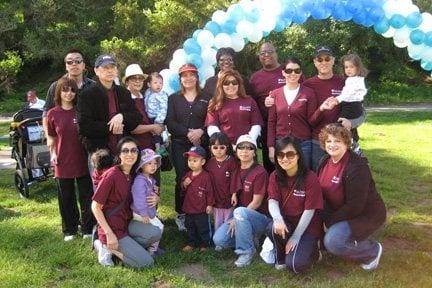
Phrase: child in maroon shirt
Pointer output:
(102, 160)
(198, 200)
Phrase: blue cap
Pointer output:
(104, 59)
(196, 151)
(323, 50)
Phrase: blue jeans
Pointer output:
(306, 147)
(317, 154)
(338, 241)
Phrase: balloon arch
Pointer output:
(251, 20)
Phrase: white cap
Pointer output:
(246, 138)
(131, 70)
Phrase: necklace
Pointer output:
(219, 163)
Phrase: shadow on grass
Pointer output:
(6, 213)
(394, 118)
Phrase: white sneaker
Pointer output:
(87, 236)
(180, 221)
(244, 260)
(280, 266)
(104, 255)
(218, 248)
(69, 238)
(374, 264)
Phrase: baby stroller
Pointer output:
(29, 149)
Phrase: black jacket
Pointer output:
(93, 115)
(363, 208)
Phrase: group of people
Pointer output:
(314, 190)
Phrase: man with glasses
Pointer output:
(75, 67)
(326, 84)
(262, 82)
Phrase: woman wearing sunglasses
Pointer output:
(249, 189)
(293, 106)
(111, 207)
(294, 196)
(353, 208)
(231, 111)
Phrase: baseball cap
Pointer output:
(148, 155)
(196, 151)
(323, 50)
(104, 59)
(246, 138)
(187, 67)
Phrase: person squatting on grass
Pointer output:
(126, 239)
(353, 209)
(69, 159)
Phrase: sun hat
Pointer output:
(323, 50)
(196, 151)
(246, 138)
(187, 67)
(132, 70)
(148, 155)
(104, 59)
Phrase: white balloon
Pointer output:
(415, 50)
(237, 42)
(209, 56)
(219, 16)
(205, 39)
(427, 55)
(426, 24)
(400, 44)
(256, 36)
(247, 5)
(166, 74)
(267, 23)
(389, 33)
(222, 40)
(207, 72)
(180, 54)
(244, 28)
(175, 64)
(402, 36)
(390, 8)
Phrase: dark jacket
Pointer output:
(363, 208)
(93, 115)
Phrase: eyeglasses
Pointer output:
(219, 147)
(266, 52)
(326, 59)
(68, 89)
(245, 147)
(136, 78)
(131, 150)
(296, 70)
(289, 155)
(228, 82)
(76, 61)
(228, 59)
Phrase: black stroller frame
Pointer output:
(29, 149)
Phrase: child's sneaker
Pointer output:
(104, 255)
(188, 248)
(180, 221)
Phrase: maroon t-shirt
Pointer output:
(262, 82)
(112, 111)
(198, 194)
(221, 173)
(114, 188)
(235, 118)
(324, 88)
(255, 183)
(71, 154)
(145, 139)
(330, 179)
(291, 120)
(293, 202)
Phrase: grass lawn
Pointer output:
(398, 146)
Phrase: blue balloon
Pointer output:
(229, 27)
(253, 16)
(288, 12)
(376, 15)
(382, 26)
(428, 39)
(414, 20)
(397, 21)
(359, 18)
(320, 12)
(340, 13)
(330, 4)
(280, 25)
(174, 82)
(195, 34)
(417, 37)
(191, 46)
(194, 59)
(308, 5)
(426, 65)
(266, 33)
(354, 7)
(235, 13)
(300, 16)
(213, 27)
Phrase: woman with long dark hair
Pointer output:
(294, 196)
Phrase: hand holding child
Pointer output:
(234, 200)
(145, 219)
(209, 209)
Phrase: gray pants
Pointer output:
(134, 246)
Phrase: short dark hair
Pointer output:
(293, 60)
(102, 159)
(74, 50)
(65, 82)
(221, 139)
(225, 51)
(121, 142)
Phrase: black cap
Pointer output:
(104, 59)
(323, 50)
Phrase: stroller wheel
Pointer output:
(21, 184)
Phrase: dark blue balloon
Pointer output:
(397, 21)
(191, 46)
(382, 26)
(428, 39)
(354, 7)
(300, 16)
(288, 12)
(414, 20)
(320, 12)
(213, 27)
(308, 6)
(417, 37)
(330, 4)
(340, 13)
(376, 14)
(359, 18)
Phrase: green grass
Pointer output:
(398, 146)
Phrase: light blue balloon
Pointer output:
(213, 27)
(174, 82)
(229, 27)
(235, 13)
(280, 25)
(308, 6)
(194, 59)
(376, 14)
(195, 34)
(288, 12)
(426, 65)
(191, 46)
(253, 16)
(428, 39)
(354, 7)
(417, 37)
(300, 16)
(397, 21)
(414, 20)
(330, 4)
(320, 12)
(382, 26)
(340, 13)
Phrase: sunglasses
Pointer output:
(131, 151)
(289, 155)
(326, 59)
(68, 89)
(266, 52)
(228, 82)
(77, 61)
(245, 147)
(229, 60)
(219, 147)
(296, 70)
(136, 78)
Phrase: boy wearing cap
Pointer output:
(198, 200)
(144, 186)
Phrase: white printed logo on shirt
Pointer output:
(335, 92)
(335, 180)
(299, 193)
(281, 81)
(245, 108)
